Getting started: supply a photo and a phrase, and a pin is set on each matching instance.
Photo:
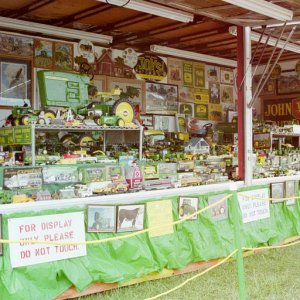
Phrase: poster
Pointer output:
(227, 75)
(214, 92)
(186, 109)
(201, 96)
(185, 94)
(254, 209)
(215, 112)
(199, 75)
(212, 73)
(201, 111)
(188, 79)
(160, 218)
(226, 93)
(67, 227)
(175, 71)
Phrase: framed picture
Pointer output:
(99, 84)
(101, 218)
(161, 98)
(288, 83)
(226, 75)
(43, 54)
(215, 112)
(1, 236)
(16, 45)
(226, 93)
(165, 123)
(199, 75)
(277, 191)
(147, 121)
(261, 140)
(186, 109)
(214, 92)
(131, 217)
(63, 56)
(201, 111)
(218, 212)
(185, 94)
(131, 89)
(290, 191)
(187, 206)
(174, 71)
(15, 82)
(212, 73)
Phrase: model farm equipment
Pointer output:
(66, 96)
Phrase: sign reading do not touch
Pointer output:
(50, 228)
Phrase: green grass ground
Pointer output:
(270, 275)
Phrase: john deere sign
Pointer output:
(282, 111)
(150, 66)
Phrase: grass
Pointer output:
(270, 275)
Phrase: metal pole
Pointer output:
(33, 144)
(233, 204)
(141, 143)
(248, 111)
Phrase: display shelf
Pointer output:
(83, 128)
(129, 198)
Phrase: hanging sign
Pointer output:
(152, 67)
(58, 228)
(254, 209)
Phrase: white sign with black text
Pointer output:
(254, 209)
(67, 227)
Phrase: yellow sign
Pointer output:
(201, 96)
(160, 218)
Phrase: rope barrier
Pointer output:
(117, 237)
(273, 247)
(193, 277)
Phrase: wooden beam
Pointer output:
(26, 9)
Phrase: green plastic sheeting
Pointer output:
(123, 260)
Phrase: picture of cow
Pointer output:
(187, 206)
(130, 217)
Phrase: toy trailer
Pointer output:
(63, 89)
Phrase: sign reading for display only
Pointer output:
(254, 209)
(50, 228)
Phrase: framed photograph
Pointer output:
(165, 123)
(161, 98)
(43, 54)
(63, 56)
(16, 45)
(174, 71)
(185, 94)
(101, 218)
(277, 191)
(218, 212)
(290, 191)
(132, 89)
(288, 83)
(186, 109)
(226, 93)
(99, 85)
(212, 73)
(187, 206)
(131, 217)
(15, 82)
(214, 92)
(147, 121)
(226, 75)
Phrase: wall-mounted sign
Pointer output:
(130, 57)
(53, 228)
(152, 67)
(87, 50)
(282, 111)
(276, 72)
(188, 76)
